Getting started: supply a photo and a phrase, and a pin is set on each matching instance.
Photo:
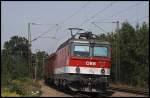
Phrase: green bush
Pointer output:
(24, 87)
(6, 93)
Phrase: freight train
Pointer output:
(81, 63)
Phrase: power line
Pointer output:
(124, 10)
(96, 14)
(41, 24)
(62, 21)
(139, 19)
(99, 27)
(43, 33)
(75, 12)
(85, 5)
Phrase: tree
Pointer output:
(134, 49)
(39, 59)
(15, 57)
(142, 51)
(17, 46)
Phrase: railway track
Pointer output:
(110, 92)
(88, 94)
(77, 93)
(91, 94)
(141, 92)
(69, 91)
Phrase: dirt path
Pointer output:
(47, 91)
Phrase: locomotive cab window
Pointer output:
(81, 50)
(100, 51)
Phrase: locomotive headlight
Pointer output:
(77, 69)
(103, 71)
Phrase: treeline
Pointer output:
(14, 60)
(132, 48)
(15, 67)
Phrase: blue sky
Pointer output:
(16, 14)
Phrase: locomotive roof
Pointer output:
(86, 37)
(73, 40)
(51, 55)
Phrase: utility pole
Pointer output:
(35, 70)
(43, 64)
(116, 55)
(31, 67)
(55, 36)
(118, 51)
(29, 48)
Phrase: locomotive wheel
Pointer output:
(56, 82)
(64, 84)
(61, 84)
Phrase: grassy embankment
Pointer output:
(23, 87)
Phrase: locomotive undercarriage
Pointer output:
(82, 82)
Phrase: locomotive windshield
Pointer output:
(89, 50)
(82, 50)
(100, 51)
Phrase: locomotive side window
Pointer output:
(83, 51)
(100, 51)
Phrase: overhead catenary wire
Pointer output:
(93, 16)
(44, 33)
(99, 27)
(40, 36)
(62, 21)
(120, 12)
(75, 13)
(84, 6)
(23, 34)
(124, 10)
(139, 19)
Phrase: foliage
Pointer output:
(39, 59)
(134, 59)
(7, 93)
(14, 58)
(15, 70)
(22, 88)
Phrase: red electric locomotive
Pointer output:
(81, 63)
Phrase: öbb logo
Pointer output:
(90, 63)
